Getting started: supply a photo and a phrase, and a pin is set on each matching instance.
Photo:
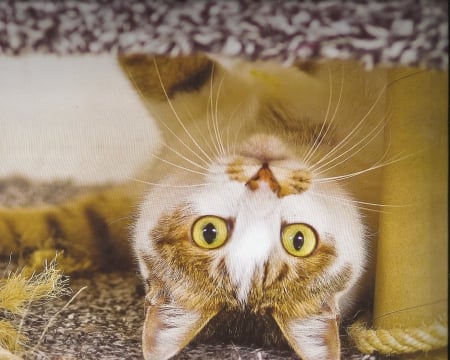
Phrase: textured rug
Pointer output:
(104, 321)
(401, 32)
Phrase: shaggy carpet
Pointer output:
(104, 321)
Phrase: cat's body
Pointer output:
(247, 214)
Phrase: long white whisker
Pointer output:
(370, 136)
(180, 122)
(172, 186)
(405, 77)
(362, 205)
(227, 133)
(199, 132)
(116, 220)
(317, 141)
(356, 173)
(178, 166)
(236, 137)
(216, 117)
(184, 157)
(183, 143)
(210, 112)
(230, 121)
(357, 127)
(332, 125)
(353, 201)
(162, 122)
(348, 137)
(388, 142)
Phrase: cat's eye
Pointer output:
(210, 232)
(299, 239)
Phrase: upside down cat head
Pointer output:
(256, 231)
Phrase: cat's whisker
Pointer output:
(162, 185)
(210, 115)
(230, 122)
(177, 117)
(161, 122)
(312, 149)
(358, 126)
(388, 142)
(330, 126)
(359, 202)
(375, 166)
(365, 141)
(184, 157)
(130, 217)
(406, 76)
(354, 131)
(198, 132)
(387, 146)
(366, 206)
(374, 210)
(184, 144)
(227, 139)
(236, 137)
(216, 116)
(178, 166)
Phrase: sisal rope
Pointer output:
(399, 341)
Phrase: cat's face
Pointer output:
(258, 230)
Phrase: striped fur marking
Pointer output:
(103, 243)
(56, 230)
(193, 81)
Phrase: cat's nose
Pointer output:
(264, 174)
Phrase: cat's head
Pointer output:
(256, 230)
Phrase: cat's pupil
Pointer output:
(298, 240)
(209, 233)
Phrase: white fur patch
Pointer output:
(255, 234)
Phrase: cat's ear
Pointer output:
(168, 328)
(314, 337)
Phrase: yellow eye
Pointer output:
(210, 232)
(299, 239)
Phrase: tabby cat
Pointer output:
(245, 224)
(246, 221)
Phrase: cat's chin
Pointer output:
(265, 148)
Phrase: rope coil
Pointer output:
(399, 341)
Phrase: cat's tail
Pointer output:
(87, 233)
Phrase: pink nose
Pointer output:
(264, 174)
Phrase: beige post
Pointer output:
(412, 273)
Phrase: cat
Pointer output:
(244, 222)
(245, 225)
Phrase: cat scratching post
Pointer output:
(410, 309)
